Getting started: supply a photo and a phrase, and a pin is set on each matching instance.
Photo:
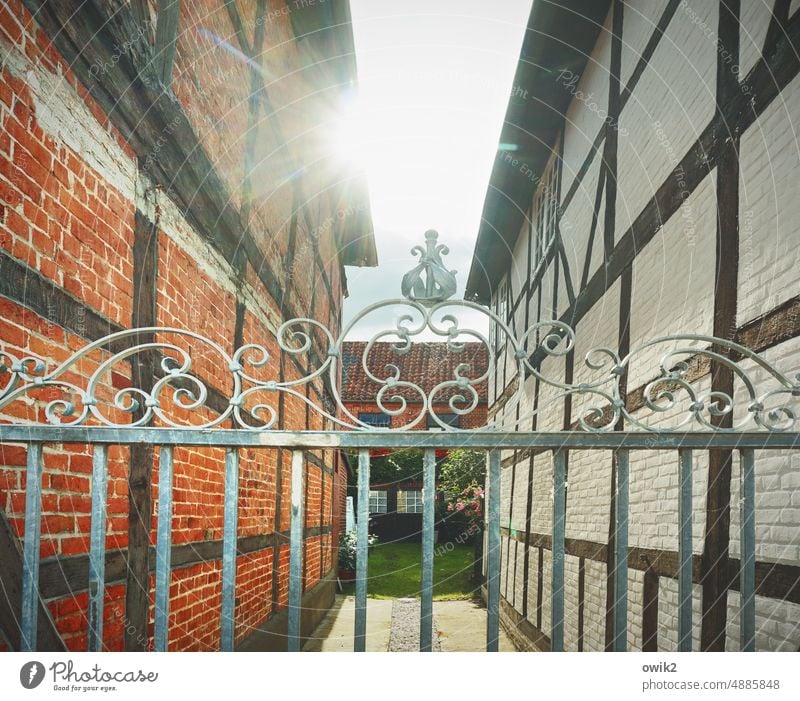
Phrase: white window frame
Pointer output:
(403, 501)
(378, 501)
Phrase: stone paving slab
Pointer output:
(462, 627)
(335, 632)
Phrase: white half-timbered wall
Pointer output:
(670, 289)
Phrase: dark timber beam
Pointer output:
(609, 166)
(718, 489)
(140, 502)
(774, 580)
(69, 575)
(169, 14)
(48, 639)
(238, 26)
(650, 611)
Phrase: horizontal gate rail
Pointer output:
(575, 440)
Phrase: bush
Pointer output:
(348, 543)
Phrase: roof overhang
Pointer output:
(559, 37)
(326, 28)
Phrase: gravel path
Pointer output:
(404, 635)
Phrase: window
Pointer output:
(501, 309)
(544, 214)
(449, 419)
(409, 501)
(377, 501)
(376, 420)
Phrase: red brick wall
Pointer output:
(68, 198)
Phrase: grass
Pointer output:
(395, 570)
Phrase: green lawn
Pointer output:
(395, 569)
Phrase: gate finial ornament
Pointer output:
(439, 283)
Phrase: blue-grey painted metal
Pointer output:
(685, 552)
(559, 528)
(362, 549)
(493, 545)
(479, 439)
(30, 552)
(620, 643)
(747, 575)
(428, 521)
(163, 549)
(296, 551)
(229, 529)
(426, 310)
(97, 552)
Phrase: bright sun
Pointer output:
(352, 133)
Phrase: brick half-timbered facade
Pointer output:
(169, 164)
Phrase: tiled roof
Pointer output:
(426, 364)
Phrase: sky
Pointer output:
(433, 85)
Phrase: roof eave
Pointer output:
(328, 29)
(560, 36)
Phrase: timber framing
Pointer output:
(11, 597)
(726, 274)
(68, 576)
(771, 73)
(544, 53)
(609, 166)
(133, 96)
(140, 463)
(774, 580)
(134, 93)
(508, 215)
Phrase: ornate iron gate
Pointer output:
(81, 414)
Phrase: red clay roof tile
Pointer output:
(425, 364)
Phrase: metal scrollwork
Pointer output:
(179, 398)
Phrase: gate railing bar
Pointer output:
(163, 549)
(747, 539)
(296, 552)
(232, 439)
(97, 552)
(428, 495)
(621, 553)
(485, 440)
(685, 552)
(362, 548)
(559, 526)
(493, 553)
(31, 544)
(229, 529)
